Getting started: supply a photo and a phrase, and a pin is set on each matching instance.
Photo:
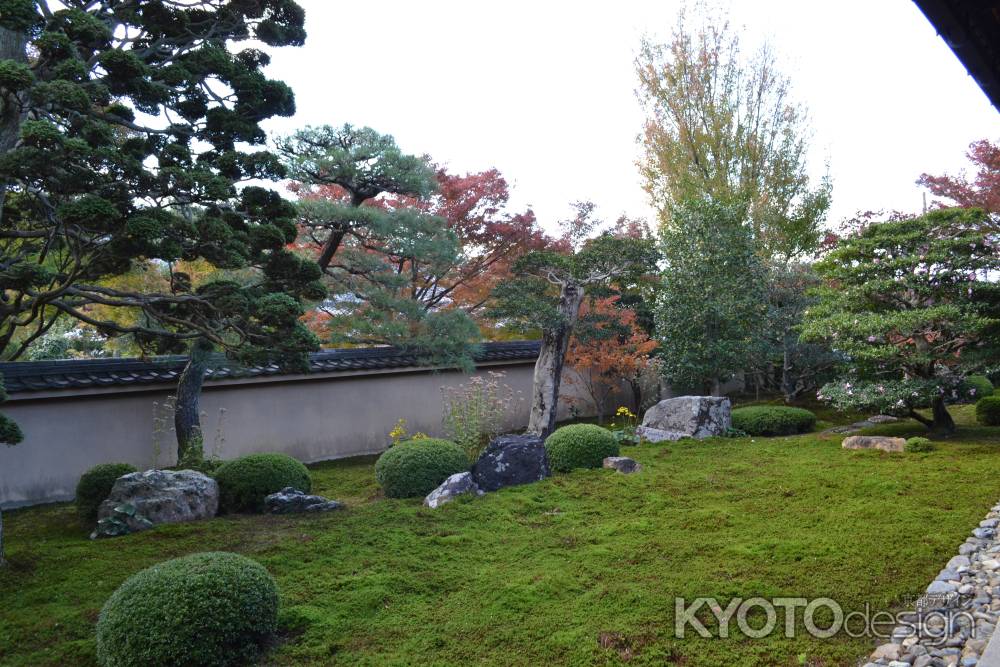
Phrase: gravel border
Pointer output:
(953, 622)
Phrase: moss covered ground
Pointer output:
(580, 569)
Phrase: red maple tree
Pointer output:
(983, 191)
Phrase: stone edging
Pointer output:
(953, 622)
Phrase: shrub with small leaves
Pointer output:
(769, 420)
(917, 445)
(213, 608)
(417, 467)
(988, 411)
(579, 446)
(246, 481)
(95, 485)
(977, 386)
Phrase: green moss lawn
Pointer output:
(580, 569)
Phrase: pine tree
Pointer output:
(126, 129)
(378, 257)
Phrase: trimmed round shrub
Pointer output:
(916, 445)
(770, 420)
(579, 446)
(982, 385)
(212, 608)
(417, 467)
(988, 411)
(95, 486)
(244, 482)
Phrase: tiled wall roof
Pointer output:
(27, 376)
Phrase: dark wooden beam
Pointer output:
(971, 28)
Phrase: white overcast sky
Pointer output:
(544, 90)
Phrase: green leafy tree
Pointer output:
(801, 366)
(548, 290)
(379, 256)
(126, 130)
(913, 306)
(723, 126)
(712, 304)
(10, 434)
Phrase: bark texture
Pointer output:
(187, 418)
(551, 358)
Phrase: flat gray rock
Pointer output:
(882, 419)
(874, 442)
(941, 588)
(292, 501)
(622, 464)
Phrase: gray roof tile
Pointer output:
(28, 376)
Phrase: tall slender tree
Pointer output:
(712, 305)
(723, 126)
(126, 129)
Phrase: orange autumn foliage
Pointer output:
(610, 349)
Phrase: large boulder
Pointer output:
(510, 460)
(292, 501)
(692, 416)
(874, 442)
(456, 485)
(142, 500)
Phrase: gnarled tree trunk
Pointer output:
(187, 419)
(943, 423)
(940, 422)
(549, 366)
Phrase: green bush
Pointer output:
(773, 420)
(206, 609)
(916, 445)
(244, 482)
(980, 383)
(988, 411)
(579, 446)
(95, 486)
(417, 467)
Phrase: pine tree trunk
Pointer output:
(787, 382)
(549, 366)
(943, 423)
(187, 418)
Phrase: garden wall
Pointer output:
(313, 417)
